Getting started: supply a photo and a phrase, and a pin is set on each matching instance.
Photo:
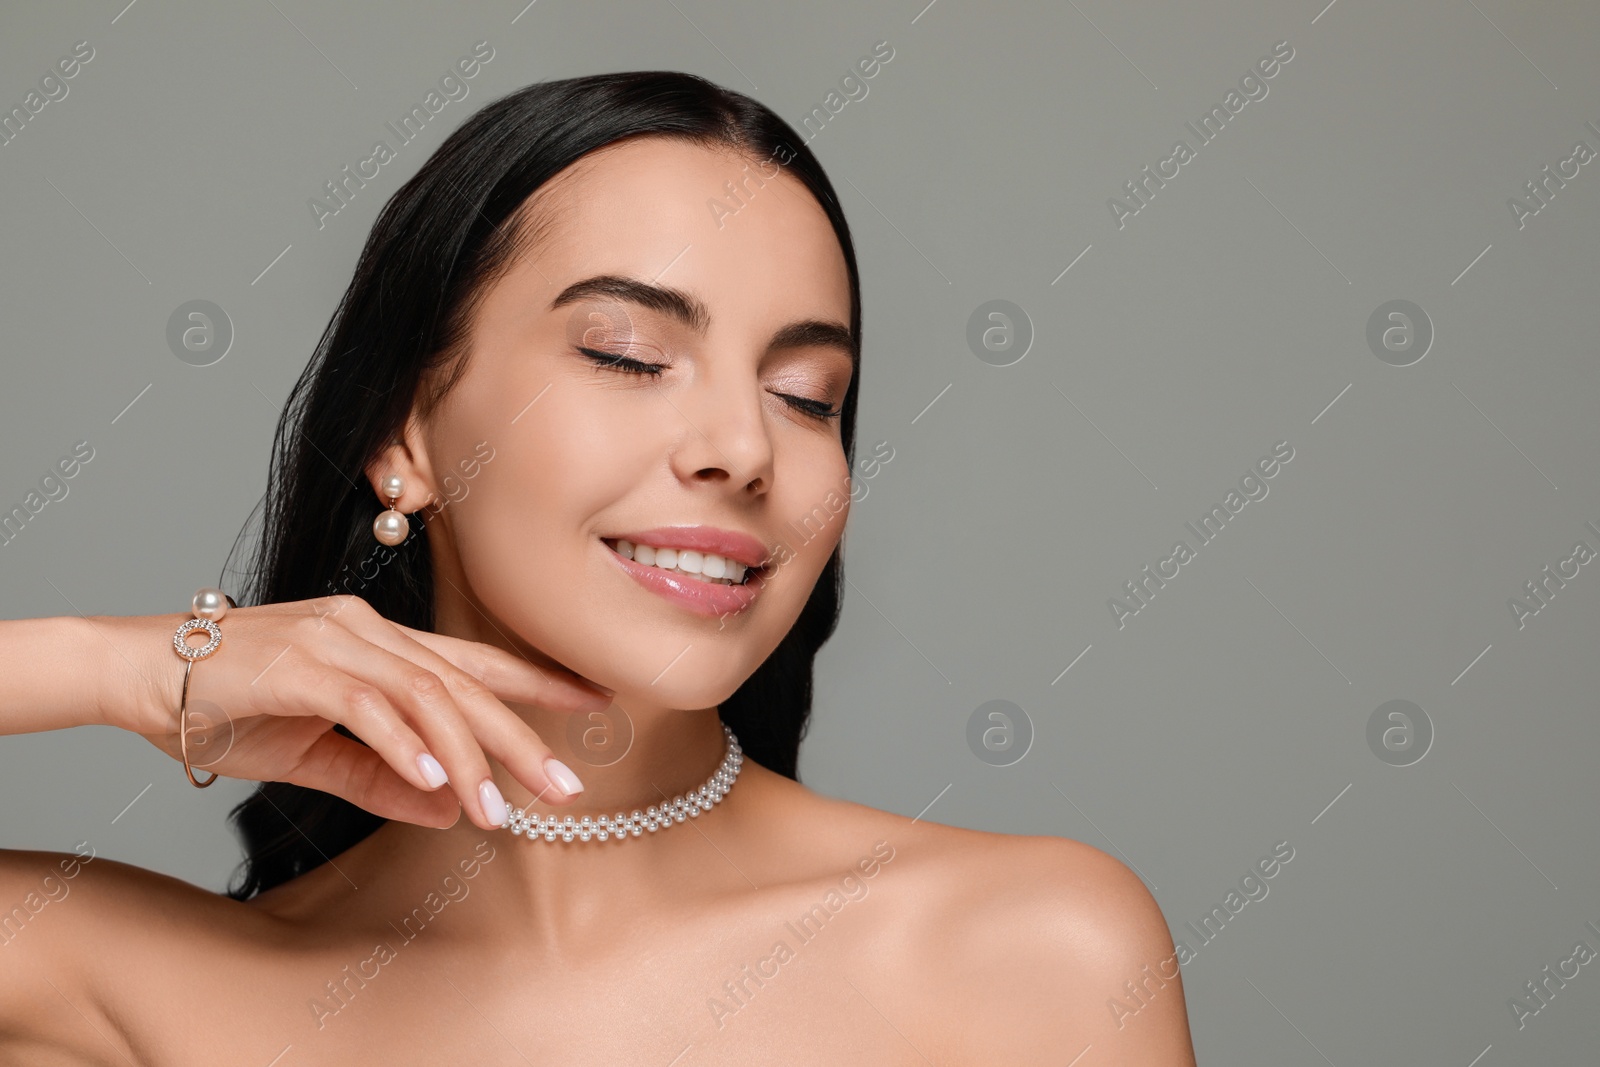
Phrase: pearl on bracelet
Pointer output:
(210, 603)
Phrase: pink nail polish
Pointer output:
(494, 805)
(432, 773)
(562, 776)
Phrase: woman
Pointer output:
(529, 546)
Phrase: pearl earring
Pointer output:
(391, 527)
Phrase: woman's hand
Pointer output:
(263, 707)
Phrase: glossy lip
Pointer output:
(701, 598)
(729, 544)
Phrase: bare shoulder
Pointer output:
(1061, 948)
(1026, 948)
(77, 927)
(45, 924)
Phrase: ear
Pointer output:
(407, 456)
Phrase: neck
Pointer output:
(633, 754)
(626, 756)
(549, 891)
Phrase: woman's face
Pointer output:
(544, 456)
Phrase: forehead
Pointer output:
(740, 232)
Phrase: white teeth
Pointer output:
(706, 566)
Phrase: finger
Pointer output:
(508, 674)
(512, 676)
(432, 709)
(361, 706)
(487, 724)
(432, 715)
(500, 731)
(348, 769)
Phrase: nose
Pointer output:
(725, 438)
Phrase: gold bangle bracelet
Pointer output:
(183, 732)
(209, 605)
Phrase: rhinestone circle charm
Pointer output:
(190, 652)
(623, 826)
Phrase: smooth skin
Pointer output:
(443, 938)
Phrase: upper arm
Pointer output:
(38, 930)
(1085, 962)
(51, 912)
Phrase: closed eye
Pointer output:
(818, 409)
(815, 408)
(622, 363)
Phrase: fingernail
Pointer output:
(562, 776)
(494, 805)
(598, 700)
(432, 773)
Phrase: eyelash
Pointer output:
(814, 408)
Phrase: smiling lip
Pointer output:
(729, 544)
(702, 598)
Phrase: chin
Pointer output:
(683, 685)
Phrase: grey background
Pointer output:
(1228, 315)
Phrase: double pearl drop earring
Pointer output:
(391, 527)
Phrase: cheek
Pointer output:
(526, 534)
(559, 466)
(815, 507)
(830, 484)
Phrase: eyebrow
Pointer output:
(692, 312)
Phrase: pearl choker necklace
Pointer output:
(622, 826)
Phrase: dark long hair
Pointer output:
(436, 246)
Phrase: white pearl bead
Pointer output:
(621, 826)
(390, 527)
(393, 487)
(210, 603)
